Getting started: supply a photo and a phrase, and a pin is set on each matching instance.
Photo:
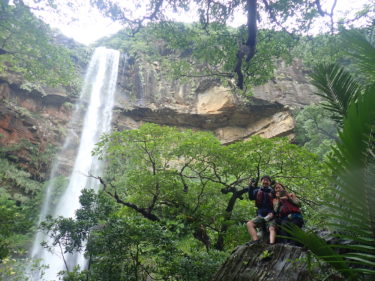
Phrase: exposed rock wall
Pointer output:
(37, 116)
(146, 94)
(290, 87)
(35, 113)
(32, 114)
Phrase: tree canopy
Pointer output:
(315, 129)
(293, 17)
(177, 196)
(27, 47)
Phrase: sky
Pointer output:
(92, 26)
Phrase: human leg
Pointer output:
(272, 230)
(251, 228)
(297, 219)
(271, 226)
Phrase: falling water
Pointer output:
(95, 108)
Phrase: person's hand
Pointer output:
(252, 182)
(292, 195)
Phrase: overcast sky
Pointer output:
(92, 25)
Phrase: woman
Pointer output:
(287, 209)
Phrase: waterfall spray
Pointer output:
(95, 108)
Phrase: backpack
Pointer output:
(263, 200)
(287, 208)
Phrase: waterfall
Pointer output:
(95, 109)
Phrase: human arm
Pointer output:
(294, 199)
(252, 190)
(276, 204)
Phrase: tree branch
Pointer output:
(144, 212)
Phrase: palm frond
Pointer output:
(354, 170)
(361, 51)
(353, 164)
(351, 207)
(321, 249)
(337, 87)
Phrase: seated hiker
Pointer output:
(287, 210)
(265, 217)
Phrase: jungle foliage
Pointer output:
(350, 208)
(242, 48)
(315, 129)
(20, 198)
(209, 53)
(27, 47)
(293, 17)
(175, 197)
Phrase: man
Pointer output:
(263, 197)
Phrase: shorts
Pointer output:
(261, 222)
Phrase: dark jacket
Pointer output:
(263, 199)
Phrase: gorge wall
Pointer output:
(144, 94)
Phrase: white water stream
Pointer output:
(95, 108)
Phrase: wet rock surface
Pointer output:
(31, 117)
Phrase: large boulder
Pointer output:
(263, 262)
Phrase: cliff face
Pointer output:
(145, 94)
(37, 116)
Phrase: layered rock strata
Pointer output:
(146, 94)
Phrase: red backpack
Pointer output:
(287, 208)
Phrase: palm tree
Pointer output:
(351, 204)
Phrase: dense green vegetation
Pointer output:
(30, 53)
(28, 48)
(173, 202)
(242, 49)
(315, 130)
(20, 197)
(350, 208)
(198, 53)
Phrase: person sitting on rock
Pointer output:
(287, 210)
(263, 197)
